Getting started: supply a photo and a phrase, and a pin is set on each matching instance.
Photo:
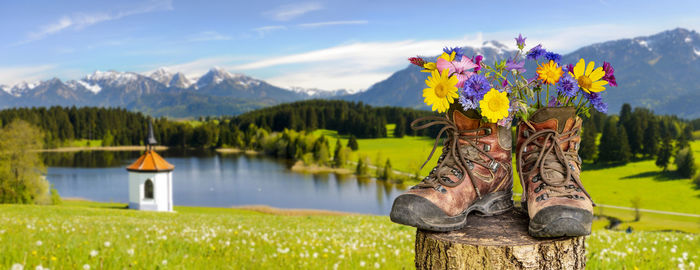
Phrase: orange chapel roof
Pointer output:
(150, 161)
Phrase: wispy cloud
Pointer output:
(81, 20)
(16, 74)
(264, 30)
(291, 11)
(331, 23)
(208, 36)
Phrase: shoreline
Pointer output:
(101, 148)
(264, 209)
(301, 168)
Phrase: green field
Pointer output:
(106, 236)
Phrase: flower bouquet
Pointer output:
(477, 148)
(500, 92)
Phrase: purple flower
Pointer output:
(477, 60)
(609, 74)
(597, 101)
(473, 91)
(570, 68)
(536, 52)
(553, 102)
(457, 50)
(417, 61)
(552, 56)
(520, 41)
(567, 86)
(511, 65)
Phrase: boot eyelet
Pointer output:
(487, 131)
(493, 166)
(536, 179)
(572, 167)
(540, 187)
(447, 180)
(470, 165)
(526, 134)
(487, 147)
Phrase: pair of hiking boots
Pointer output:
(474, 174)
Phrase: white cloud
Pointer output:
(81, 20)
(331, 23)
(291, 11)
(17, 74)
(208, 36)
(262, 31)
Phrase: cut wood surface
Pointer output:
(498, 242)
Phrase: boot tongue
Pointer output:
(466, 121)
(561, 114)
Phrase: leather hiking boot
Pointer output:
(474, 173)
(549, 168)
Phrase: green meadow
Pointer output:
(87, 235)
(608, 185)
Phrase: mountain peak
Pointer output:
(111, 77)
(162, 75)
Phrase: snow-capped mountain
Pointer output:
(162, 75)
(179, 80)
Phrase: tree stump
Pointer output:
(498, 242)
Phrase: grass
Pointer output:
(106, 236)
(84, 143)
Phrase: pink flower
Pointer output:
(457, 68)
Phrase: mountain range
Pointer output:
(658, 72)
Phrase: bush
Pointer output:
(685, 163)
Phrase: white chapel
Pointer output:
(151, 180)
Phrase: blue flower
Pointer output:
(536, 52)
(552, 56)
(597, 101)
(567, 86)
(457, 50)
(473, 91)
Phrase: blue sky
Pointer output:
(323, 44)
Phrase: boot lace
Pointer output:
(452, 157)
(548, 156)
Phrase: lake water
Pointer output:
(207, 178)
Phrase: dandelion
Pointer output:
(283, 250)
(130, 251)
(107, 244)
(39, 267)
(39, 243)
(376, 265)
(86, 267)
(362, 263)
(93, 253)
(164, 262)
(17, 266)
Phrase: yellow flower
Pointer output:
(430, 66)
(441, 91)
(550, 72)
(495, 105)
(588, 78)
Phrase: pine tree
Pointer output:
(359, 170)
(588, 149)
(388, 173)
(664, 154)
(336, 153)
(400, 129)
(613, 144)
(352, 143)
(685, 163)
(651, 139)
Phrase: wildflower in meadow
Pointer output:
(567, 86)
(39, 243)
(164, 262)
(536, 52)
(17, 266)
(93, 253)
(609, 74)
(362, 263)
(107, 244)
(459, 69)
(86, 267)
(457, 51)
(597, 101)
(520, 41)
(130, 251)
(551, 56)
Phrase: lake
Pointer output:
(208, 178)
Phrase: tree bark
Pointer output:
(498, 242)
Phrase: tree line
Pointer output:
(639, 134)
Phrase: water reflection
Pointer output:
(207, 178)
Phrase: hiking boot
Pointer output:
(474, 173)
(549, 167)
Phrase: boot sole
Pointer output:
(561, 220)
(408, 209)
